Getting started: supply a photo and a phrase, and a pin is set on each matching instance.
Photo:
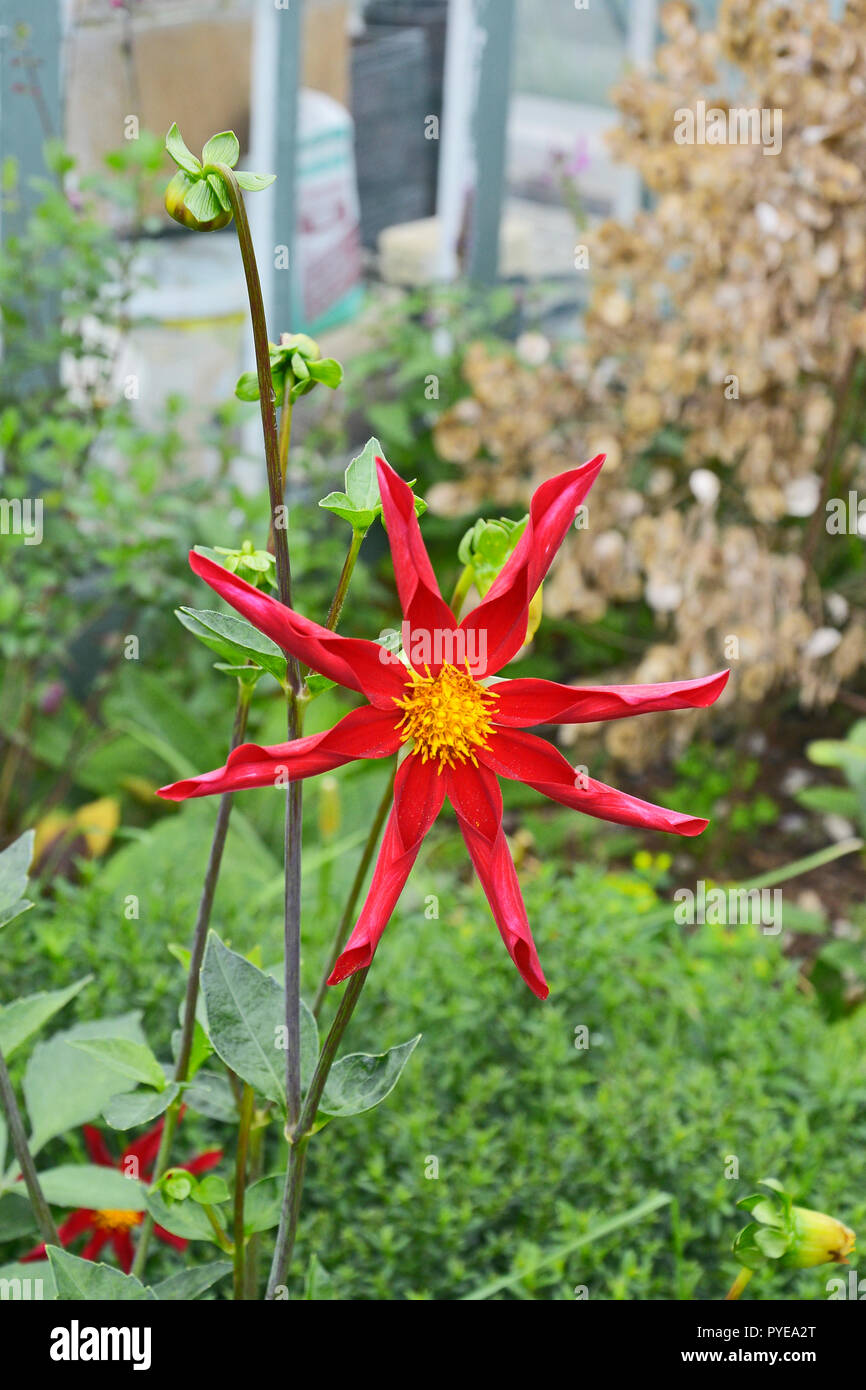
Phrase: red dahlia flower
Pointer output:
(461, 729)
(115, 1225)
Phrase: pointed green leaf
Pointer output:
(318, 1286)
(222, 149)
(358, 1082)
(254, 183)
(127, 1058)
(183, 158)
(211, 1095)
(24, 1017)
(64, 1087)
(92, 1185)
(234, 639)
(185, 1219)
(217, 184)
(15, 862)
(139, 1107)
(187, 1284)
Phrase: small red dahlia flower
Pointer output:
(461, 729)
(116, 1225)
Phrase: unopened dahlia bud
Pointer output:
(795, 1237)
(819, 1239)
(178, 190)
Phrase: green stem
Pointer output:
(344, 926)
(343, 585)
(199, 941)
(222, 1239)
(255, 1166)
(298, 1151)
(247, 1107)
(738, 1285)
(461, 589)
(41, 1209)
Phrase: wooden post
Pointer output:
(490, 129)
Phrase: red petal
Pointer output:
(94, 1142)
(144, 1150)
(95, 1244)
(502, 616)
(170, 1238)
(350, 661)
(527, 758)
(363, 733)
(67, 1231)
(423, 606)
(527, 701)
(202, 1163)
(475, 795)
(123, 1248)
(419, 791)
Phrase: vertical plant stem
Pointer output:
(41, 1209)
(254, 1167)
(345, 575)
(199, 941)
(344, 925)
(297, 1155)
(738, 1285)
(247, 1108)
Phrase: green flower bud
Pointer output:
(178, 189)
(818, 1239)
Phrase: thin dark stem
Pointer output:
(247, 1108)
(297, 1155)
(344, 926)
(199, 941)
(41, 1209)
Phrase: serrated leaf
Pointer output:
(92, 1185)
(202, 202)
(183, 157)
(15, 862)
(188, 1284)
(254, 183)
(359, 1081)
(24, 1017)
(128, 1058)
(83, 1279)
(234, 639)
(246, 1019)
(138, 1107)
(222, 149)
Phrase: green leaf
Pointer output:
(92, 1185)
(16, 1216)
(183, 157)
(770, 1242)
(185, 1219)
(222, 149)
(234, 639)
(247, 386)
(327, 371)
(200, 1051)
(217, 184)
(64, 1087)
(211, 1095)
(246, 1019)
(262, 1203)
(15, 862)
(358, 1082)
(187, 1284)
(24, 1017)
(82, 1279)
(202, 202)
(318, 1286)
(127, 1058)
(34, 1282)
(210, 1190)
(139, 1107)
(254, 183)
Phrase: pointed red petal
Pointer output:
(527, 758)
(502, 616)
(418, 795)
(123, 1249)
(423, 606)
(527, 701)
(67, 1231)
(170, 1238)
(95, 1244)
(144, 1150)
(94, 1142)
(475, 795)
(350, 661)
(363, 733)
(202, 1163)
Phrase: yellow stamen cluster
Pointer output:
(446, 716)
(113, 1220)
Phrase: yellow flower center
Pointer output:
(446, 716)
(113, 1220)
